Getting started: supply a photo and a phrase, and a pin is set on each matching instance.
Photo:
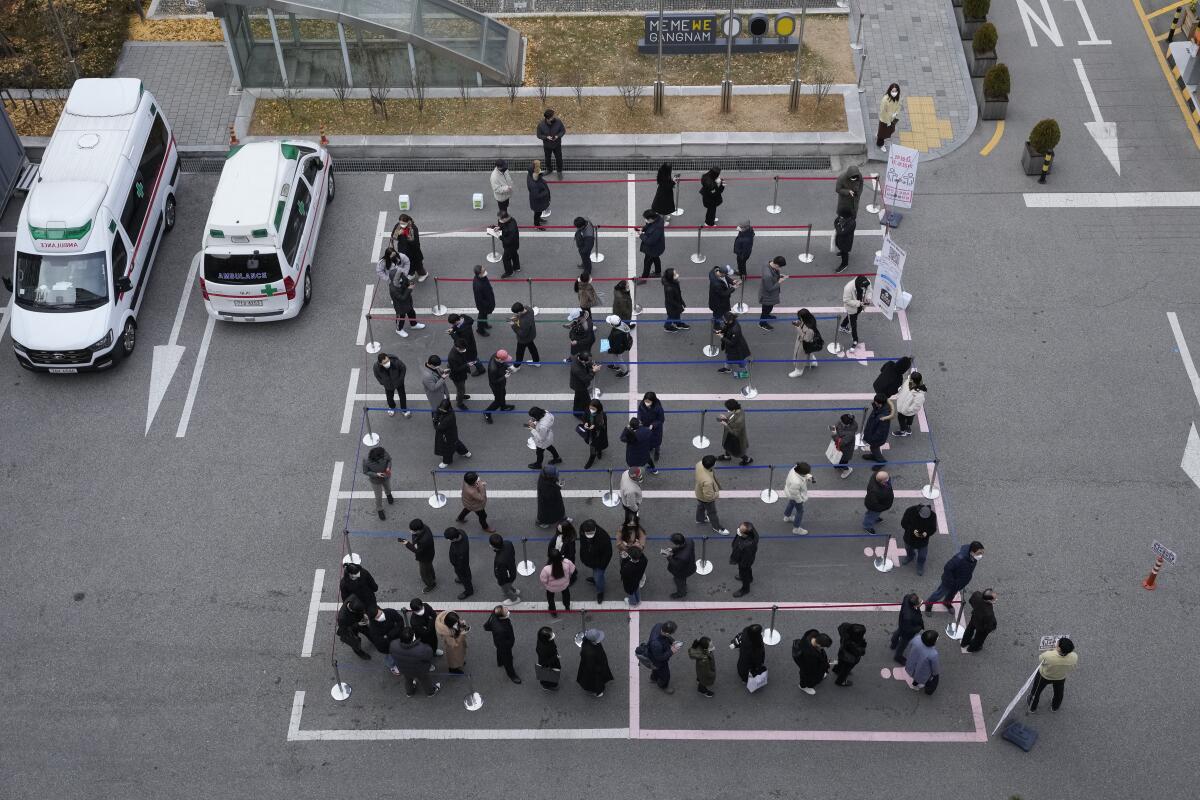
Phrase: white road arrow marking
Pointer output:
(1191, 456)
(167, 356)
(1105, 133)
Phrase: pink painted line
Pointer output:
(635, 672)
(977, 715)
(922, 420)
(905, 334)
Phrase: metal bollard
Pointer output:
(769, 495)
(956, 629)
(529, 283)
(1046, 161)
(371, 438)
(741, 307)
(807, 257)
(438, 309)
(748, 391)
(882, 563)
(835, 347)
(703, 565)
(858, 36)
(437, 499)
(698, 257)
(373, 345)
(700, 441)
(771, 635)
(873, 206)
(611, 498)
(930, 491)
(525, 567)
(493, 256)
(341, 689)
(582, 628)
(774, 207)
(862, 67)
(711, 350)
(596, 257)
(678, 212)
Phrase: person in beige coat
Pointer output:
(889, 115)
(707, 492)
(453, 633)
(502, 185)
(474, 500)
(856, 295)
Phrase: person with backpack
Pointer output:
(809, 654)
(620, 339)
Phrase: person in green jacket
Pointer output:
(701, 652)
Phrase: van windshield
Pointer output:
(68, 282)
(241, 268)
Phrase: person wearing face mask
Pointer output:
(585, 243)
(956, 574)
(358, 582)
(653, 244)
(389, 372)
(675, 304)
(712, 189)
(595, 431)
(502, 185)
(549, 666)
(407, 241)
(856, 295)
(485, 299)
(650, 412)
(743, 246)
(620, 339)
(453, 633)
(889, 115)
(742, 554)
(768, 290)
(918, 523)
(499, 624)
(595, 552)
(703, 653)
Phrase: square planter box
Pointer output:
(967, 27)
(1031, 161)
(994, 108)
(980, 62)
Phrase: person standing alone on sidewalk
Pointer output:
(743, 246)
(1053, 668)
(653, 238)
(585, 243)
(551, 131)
(889, 115)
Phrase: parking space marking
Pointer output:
(1112, 199)
(197, 371)
(8, 234)
(635, 672)
(335, 487)
(368, 296)
(387, 182)
(380, 235)
(1188, 365)
(352, 396)
(314, 603)
(5, 313)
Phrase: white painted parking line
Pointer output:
(351, 397)
(368, 296)
(5, 313)
(1112, 199)
(335, 487)
(197, 371)
(635, 673)
(1189, 366)
(380, 235)
(905, 334)
(387, 182)
(314, 603)
(8, 234)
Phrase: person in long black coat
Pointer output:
(460, 559)
(539, 192)
(352, 621)
(548, 663)
(843, 239)
(743, 552)
(485, 299)
(664, 194)
(594, 672)
(445, 435)
(550, 508)
(911, 623)
(733, 342)
(653, 237)
(358, 582)
(809, 654)
(595, 422)
(891, 376)
(721, 286)
(499, 624)
(422, 618)
(673, 299)
(711, 190)
(752, 651)
(582, 373)
(743, 246)
(852, 646)
(650, 412)
(407, 241)
(983, 620)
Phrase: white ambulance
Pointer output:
(261, 235)
(89, 230)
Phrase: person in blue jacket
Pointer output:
(956, 574)
(639, 441)
(662, 646)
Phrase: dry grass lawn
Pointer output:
(200, 29)
(28, 122)
(481, 116)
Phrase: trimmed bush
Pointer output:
(95, 29)
(997, 82)
(1044, 136)
(976, 9)
(985, 39)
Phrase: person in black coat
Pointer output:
(583, 371)
(585, 243)
(633, 567)
(357, 582)
(650, 411)
(551, 131)
(539, 193)
(550, 508)
(595, 424)
(458, 362)
(549, 666)
(420, 544)
(460, 560)
(733, 342)
(594, 672)
(499, 624)
(383, 626)
(653, 236)
(664, 192)
(595, 552)
(983, 620)
(742, 554)
(407, 241)
(711, 190)
(743, 246)
(504, 567)
(422, 618)
(499, 367)
(389, 372)
(852, 646)
(673, 299)
(445, 435)
(639, 443)
(919, 522)
(809, 654)
(752, 651)
(485, 299)
(911, 623)
(879, 498)
(681, 563)
(843, 238)
(509, 234)
(351, 621)
(891, 376)
(461, 329)
(877, 426)
(721, 285)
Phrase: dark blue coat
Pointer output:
(876, 429)
(638, 445)
(485, 298)
(654, 238)
(743, 243)
(958, 570)
(659, 645)
(653, 416)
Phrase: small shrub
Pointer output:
(997, 83)
(1044, 136)
(976, 9)
(821, 83)
(985, 39)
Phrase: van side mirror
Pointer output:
(123, 284)
(7, 283)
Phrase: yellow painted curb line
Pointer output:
(1167, 9)
(987, 149)
(1162, 63)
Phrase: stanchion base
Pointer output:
(437, 500)
(526, 568)
(740, 308)
(596, 394)
(806, 258)
(873, 209)
(771, 636)
(883, 564)
(374, 347)
(769, 496)
(637, 308)
(699, 258)
(371, 439)
(930, 492)
(493, 258)
(596, 258)
(749, 392)
(854, 47)
(678, 212)
(340, 692)
(711, 350)
(473, 701)
(352, 558)
(955, 631)
(835, 348)
(530, 444)
(610, 499)
(700, 442)
(704, 567)
(774, 209)
(440, 311)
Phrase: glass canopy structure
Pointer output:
(326, 44)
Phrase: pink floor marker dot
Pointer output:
(869, 552)
(885, 673)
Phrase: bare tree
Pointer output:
(341, 86)
(378, 84)
(543, 80)
(821, 82)
(289, 95)
(631, 89)
(418, 85)
(576, 79)
(512, 79)
(464, 89)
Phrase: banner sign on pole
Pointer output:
(1161, 550)
(889, 267)
(900, 179)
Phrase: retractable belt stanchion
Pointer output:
(678, 212)
(774, 207)
(474, 700)
(955, 629)
(351, 557)
(526, 567)
(341, 689)
(582, 628)
(373, 345)
(536, 310)
(873, 206)
(438, 309)
(807, 257)
(703, 565)
(835, 347)
(700, 441)
(769, 495)
(596, 256)
(594, 392)
(371, 438)
(698, 257)
(882, 563)
(611, 498)
(711, 350)
(771, 634)
(741, 307)
(493, 256)
(930, 491)
(748, 391)
(437, 499)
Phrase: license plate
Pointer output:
(64, 370)
(247, 303)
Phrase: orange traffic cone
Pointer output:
(324, 138)
(233, 140)
(1151, 581)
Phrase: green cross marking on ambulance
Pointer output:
(140, 189)
(269, 289)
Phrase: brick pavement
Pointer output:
(191, 80)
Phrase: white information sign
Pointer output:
(1051, 641)
(889, 267)
(900, 179)
(1161, 550)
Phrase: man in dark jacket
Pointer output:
(743, 553)
(485, 299)
(983, 620)
(500, 626)
(743, 246)
(585, 242)
(461, 329)
(551, 131)
(956, 574)
(720, 288)
(918, 523)
(357, 582)
(460, 560)
(389, 372)
(351, 621)
(879, 498)
(510, 243)
(661, 645)
(524, 325)
(377, 466)
(809, 654)
(422, 619)
(504, 567)
(384, 625)
(852, 646)
(595, 551)
(459, 363)
(849, 187)
(420, 542)
(412, 659)
(877, 427)
(639, 444)
(582, 373)
(681, 563)
(498, 369)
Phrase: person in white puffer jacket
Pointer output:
(909, 402)
(541, 431)
(795, 489)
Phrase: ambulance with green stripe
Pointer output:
(261, 235)
(90, 228)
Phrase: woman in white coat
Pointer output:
(856, 295)
(795, 489)
(909, 402)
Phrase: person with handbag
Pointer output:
(499, 624)
(808, 343)
(548, 665)
(703, 653)
(594, 430)
(595, 552)
(809, 654)
(752, 652)
(922, 662)
(377, 466)
(842, 441)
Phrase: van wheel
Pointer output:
(169, 212)
(307, 286)
(329, 189)
(128, 339)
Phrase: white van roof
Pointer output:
(249, 196)
(104, 97)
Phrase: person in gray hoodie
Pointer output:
(435, 382)
(768, 290)
(921, 661)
